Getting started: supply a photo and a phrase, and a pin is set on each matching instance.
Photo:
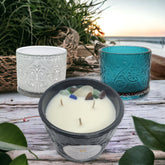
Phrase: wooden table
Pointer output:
(14, 107)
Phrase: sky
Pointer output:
(133, 18)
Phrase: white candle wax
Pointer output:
(67, 114)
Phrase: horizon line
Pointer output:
(137, 36)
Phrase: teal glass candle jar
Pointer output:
(126, 69)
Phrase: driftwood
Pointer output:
(157, 67)
(86, 63)
(67, 38)
(157, 63)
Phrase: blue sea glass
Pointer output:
(126, 69)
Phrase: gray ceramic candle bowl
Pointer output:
(80, 147)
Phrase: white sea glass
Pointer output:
(83, 91)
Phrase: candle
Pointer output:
(80, 121)
(80, 115)
(39, 67)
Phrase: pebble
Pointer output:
(89, 96)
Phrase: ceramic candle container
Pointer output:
(86, 145)
(39, 67)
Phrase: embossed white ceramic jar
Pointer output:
(38, 67)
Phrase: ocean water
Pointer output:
(156, 44)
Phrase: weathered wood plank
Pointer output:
(48, 157)
(157, 162)
(69, 163)
(124, 137)
(15, 107)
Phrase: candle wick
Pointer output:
(93, 104)
(61, 102)
(80, 121)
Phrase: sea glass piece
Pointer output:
(83, 91)
(65, 92)
(74, 97)
(96, 93)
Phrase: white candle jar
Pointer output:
(38, 67)
(74, 146)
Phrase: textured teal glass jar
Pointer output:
(126, 69)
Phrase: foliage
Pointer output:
(12, 138)
(20, 160)
(138, 155)
(152, 135)
(31, 22)
(154, 132)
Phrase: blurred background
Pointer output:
(136, 22)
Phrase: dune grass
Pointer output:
(32, 22)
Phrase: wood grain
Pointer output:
(15, 107)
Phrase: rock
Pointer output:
(89, 96)
(102, 94)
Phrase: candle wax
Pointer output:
(80, 116)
